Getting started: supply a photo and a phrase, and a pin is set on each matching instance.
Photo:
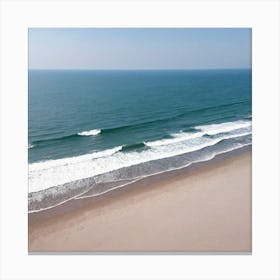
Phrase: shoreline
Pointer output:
(52, 183)
(72, 203)
(47, 228)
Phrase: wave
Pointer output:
(136, 179)
(176, 137)
(212, 129)
(30, 146)
(131, 147)
(92, 132)
(201, 131)
(66, 137)
(94, 186)
(105, 131)
(44, 165)
(43, 175)
(170, 118)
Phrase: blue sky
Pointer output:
(139, 48)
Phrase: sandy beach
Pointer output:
(205, 210)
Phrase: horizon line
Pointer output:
(140, 69)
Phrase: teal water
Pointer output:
(85, 124)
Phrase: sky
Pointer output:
(139, 48)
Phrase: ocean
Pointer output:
(92, 131)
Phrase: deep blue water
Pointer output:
(87, 123)
(129, 106)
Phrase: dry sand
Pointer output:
(207, 210)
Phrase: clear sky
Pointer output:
(139, 48)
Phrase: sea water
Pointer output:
(93, 131)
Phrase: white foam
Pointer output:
(43, 175)
(205, 158)
(177, 137)
(73, 160)
(30, 146)
(205, 129)
(90, 132)
(212, 129)
(83, 194)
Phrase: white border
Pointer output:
(262, 16)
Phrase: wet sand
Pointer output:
(204, 210)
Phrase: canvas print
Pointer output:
(139, 140)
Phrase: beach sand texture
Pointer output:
(206, 210)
